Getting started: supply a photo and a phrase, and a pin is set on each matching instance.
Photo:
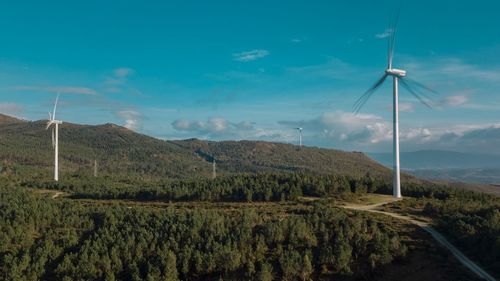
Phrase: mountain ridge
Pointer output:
(122, 151)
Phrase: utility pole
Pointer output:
(95, 168)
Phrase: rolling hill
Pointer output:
(261, 156)
(120, 151)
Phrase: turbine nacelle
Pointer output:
(53, 122)
(395, 72)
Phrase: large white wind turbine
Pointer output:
(397, 75)
(300, 135)
(55, 137)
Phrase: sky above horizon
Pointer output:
(221, 70)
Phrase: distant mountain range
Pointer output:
(447, 165)
(122, 152)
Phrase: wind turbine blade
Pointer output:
(362, 100)
(48, 125)
(414, 92)
(55, 106)
(420, 85)
(392, 37)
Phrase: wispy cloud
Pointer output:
(123, 72)
(450, 69)
(406, 107)
(455, 101)
(115, 82)
(334, 68)
(250, 55)
(384, 34)
(56, 89)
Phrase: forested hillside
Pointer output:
(43, 238)
(124, 153)
(259, 156)
(116, 149)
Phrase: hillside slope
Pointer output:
(260, 156)
(120, 151)
(116, 149)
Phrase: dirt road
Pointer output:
(434, 233)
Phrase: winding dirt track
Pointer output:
(56, 195)
(435, 234)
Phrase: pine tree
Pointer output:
(171, 273)
(307, 268)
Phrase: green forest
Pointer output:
(77, 239)
(49, 239)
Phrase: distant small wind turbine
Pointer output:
(55, 138)
(397, 75)
(95, 168)
(214, 172)
(300, 135)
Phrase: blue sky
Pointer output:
(256, 69)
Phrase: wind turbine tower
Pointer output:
(415, 88)
(55, 137)
(300, 135)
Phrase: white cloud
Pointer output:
(384, 34)
(368, 132)
(57, 89)
(132, 118)
(342, 126)
(220, 128)
(250, 55)
(213, 125)
(418, 135)
(296, 40)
